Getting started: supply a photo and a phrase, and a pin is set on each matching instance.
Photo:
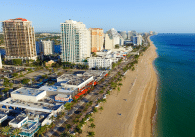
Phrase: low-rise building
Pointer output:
(99, 62)
(49, 63)
(28, 94)
(18, 121)
(63, 98)
(3, 117)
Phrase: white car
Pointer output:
(104, 96)
(97, 105)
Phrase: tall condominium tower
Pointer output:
(123, 34)
(97, 39)
(131, 34)
(75, 41)
(137, 40)
(46, 47)
(19, 39)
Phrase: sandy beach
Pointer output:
(135, 102)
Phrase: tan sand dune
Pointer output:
(139, 89)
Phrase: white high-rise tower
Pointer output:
(76, 42)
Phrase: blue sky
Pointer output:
(163, 16)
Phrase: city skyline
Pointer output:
(142, 16)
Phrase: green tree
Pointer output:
(16, 132)
(95, 110)
(15, 74)
(17, 61)
(68, 106)
(116, 46)
(6, 130)
(101, 91)
(78, 129)
(5, 90)
(108, 92)
(91, 134)
(91, 119)
(68, 126)
(92, 125)
(101, 108)
(66, 134)
(25, 81)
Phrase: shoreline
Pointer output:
(139, 90)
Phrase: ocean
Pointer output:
(175, 66)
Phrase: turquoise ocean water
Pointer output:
(176, 92)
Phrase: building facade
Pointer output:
(108, 42)
(97, 39)
(137, 40)
(19, 39)
(123, 34)
(99, 62)
(75, 42)
(46, 47)
(131, 34)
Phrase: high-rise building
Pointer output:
(131, 34)
(97, 39)
(113, 34)
(46, 47)
(108, 42)
(19, 39)
(137, 40)
(123, 34)
(151, 32)
(75, 42)
(0, 62)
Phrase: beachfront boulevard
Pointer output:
(78, 111)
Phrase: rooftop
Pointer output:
(18, 119)
(71, 79)
(41, 106)
(57, 89)
(27, 91)
(2, 115)
(16, 20)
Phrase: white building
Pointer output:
(46, 47)
(28, 94)
(74, 81)
(3, 117)
(18, 121)
(100, 62)
(123, 34)
(108, 42)
(137, 40)
(75, 41)
(131, 34)
(113, 34)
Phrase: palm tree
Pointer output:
(91, 119)
(68, 126)
(16, 132)
(5, 130)
(66, 134)
(52, 118)
(92, 125)
(101, 108)
(91, 134)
